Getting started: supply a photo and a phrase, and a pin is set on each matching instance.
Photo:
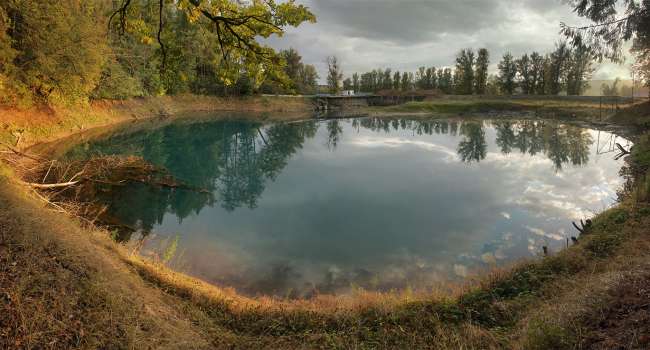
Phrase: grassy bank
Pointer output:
(24, 128)
(587, 109)
(64, 286)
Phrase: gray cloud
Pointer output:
(403, 35)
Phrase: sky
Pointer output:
(406, 34)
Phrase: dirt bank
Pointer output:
(24, 128)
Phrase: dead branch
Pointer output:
(577, 228)
(584, 226)
(623, 150)
(50, 186)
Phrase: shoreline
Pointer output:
(40, 125)
(215, 316)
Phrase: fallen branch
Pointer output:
(623, 150)
(50, 186)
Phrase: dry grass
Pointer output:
(60, 290)
(42, 124)
(533, 305)
(62, 286)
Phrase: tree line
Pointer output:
(70, 51)
(566, 69)
(64, 52)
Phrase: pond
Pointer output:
(290, 209)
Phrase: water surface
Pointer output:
(292, 208)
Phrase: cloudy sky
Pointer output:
(406, 34)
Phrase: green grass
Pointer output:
(547, 107)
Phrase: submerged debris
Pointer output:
(76, 186)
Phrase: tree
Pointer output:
(579, 70)
(610, 90)
(557, 68)
(355, 82)
(543, 85)
(396, 80)
(481, 72)
(71, 50)
(421, 78)
(293, 63)
(308, 78)
(347, 84)
(56, 50)
(464, 78)
(507, 74)
(431, 78)
(302, 78)
(238, 25)
(334, 75)
(525, 71)
(445, 80)
(388, 80)
(407, 81)
(610, 28)
(536, 73)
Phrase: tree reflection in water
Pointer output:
(234, 160)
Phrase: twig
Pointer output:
(50, 203)
(48, 171)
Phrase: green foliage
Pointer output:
(481, 71)
(59, 52)
(465, 72)
(612, 219)
(116, 84)
(334, 75)
(604, 245)
(303, 78)
(59, 46)
(9, 89)
(579, 70)
(507, 74)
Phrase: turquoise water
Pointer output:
(288, 209)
